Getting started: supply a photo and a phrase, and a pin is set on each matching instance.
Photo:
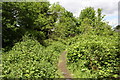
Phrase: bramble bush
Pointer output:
(29, 59)
(97, 55)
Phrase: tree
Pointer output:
(65, 22)
(89, 13)
(19, 18)
(117, 28)
(99, 11)
(99, 20)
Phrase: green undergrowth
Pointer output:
(34, 34)
(94, 56)
(29, 59)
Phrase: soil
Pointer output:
(63, 67)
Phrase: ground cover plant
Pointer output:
(35, 34)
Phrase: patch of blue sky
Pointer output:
(111, 17)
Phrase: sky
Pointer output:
(110, 8)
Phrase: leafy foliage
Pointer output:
(21, 17)
(95, 54)
(88, 13)
(35, 33)
(29, 59)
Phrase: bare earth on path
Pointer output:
(63, 67)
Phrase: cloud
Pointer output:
(113, 22)
(112, 18)
(110, 7)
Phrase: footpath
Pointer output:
(62, 66)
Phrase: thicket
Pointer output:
(35, 33)
(28, 59)
(94, 56)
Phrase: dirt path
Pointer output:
(63, 67)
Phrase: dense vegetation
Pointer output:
(29, 59)
(94, 56)
(35, 33)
